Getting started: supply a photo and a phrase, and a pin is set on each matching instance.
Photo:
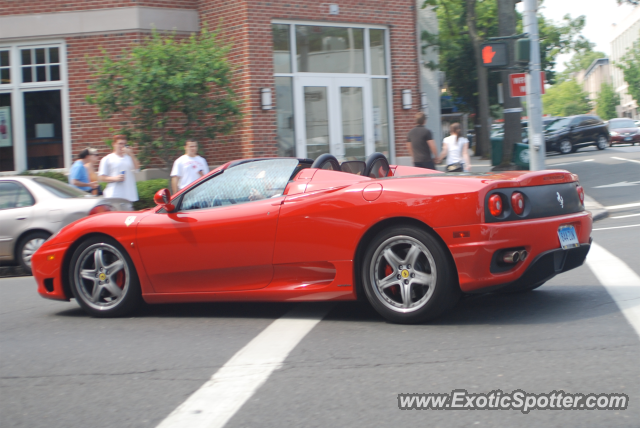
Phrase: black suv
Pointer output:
(567, 134)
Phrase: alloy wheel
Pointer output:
(565, 147)
(602, 142)
(102, 276)
(404, 274)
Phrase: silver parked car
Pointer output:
(34, 208)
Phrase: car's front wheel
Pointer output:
(103, 278)
(27, 246)
(566, 147)
(602, 142)
(407, 276)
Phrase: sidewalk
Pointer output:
(597, 210)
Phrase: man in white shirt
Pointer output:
(188, 167)
(118, 169)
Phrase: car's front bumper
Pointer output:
(622, 139)
(47, 265)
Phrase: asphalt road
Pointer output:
(61, 368)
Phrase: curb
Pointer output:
(12, 271)
(597, 210)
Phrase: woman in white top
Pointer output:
(456, 148)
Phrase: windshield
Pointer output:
(242, 183)
(617, 124)
(558, 124)
(59, 189)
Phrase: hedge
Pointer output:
(146, 189)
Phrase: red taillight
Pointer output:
(580, 191)
(99, 209)
(517, 203)
(495, 205)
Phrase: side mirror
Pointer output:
(163, 197)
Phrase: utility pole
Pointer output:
(537, 148)
(511, 105)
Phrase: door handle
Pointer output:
(21, 218)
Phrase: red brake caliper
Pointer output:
(394, 288)
(120, 278)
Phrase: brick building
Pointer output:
(336, 74)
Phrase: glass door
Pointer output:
(336, 117)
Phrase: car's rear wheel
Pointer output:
(565, 147)
(103, 278)
(602, 142)
(407, 276)
(27, 246)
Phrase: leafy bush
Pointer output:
(49, 174)
(146, 191)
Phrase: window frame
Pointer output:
(17, 89)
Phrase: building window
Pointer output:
(33, 107)
(5, 70)
(329, 49)
(284, 117)
(281, 48)
(337, 78)
(40, 64)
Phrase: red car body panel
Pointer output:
(302, 246)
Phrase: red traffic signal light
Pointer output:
(494, 54)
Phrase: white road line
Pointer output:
(617, 227)
(628, 160)
(570, 163)
(625, 216)
(230, 387)
(622, 283)
(620, 207)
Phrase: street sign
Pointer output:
(518, 84)
(494, 54)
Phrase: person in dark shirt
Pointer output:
(421, 145)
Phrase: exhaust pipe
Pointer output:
(523, 255)
(511, 256)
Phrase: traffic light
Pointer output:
(494, 54)
(523, 50)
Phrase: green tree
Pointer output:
(171, 89)
(566, 99)
(630, 66)
(559, 38)
(607, 101)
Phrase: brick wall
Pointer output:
(87, 129)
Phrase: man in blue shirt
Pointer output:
(79, 176)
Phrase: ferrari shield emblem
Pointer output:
(405, 274)
(130, 220)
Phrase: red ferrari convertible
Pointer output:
(283, 229)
